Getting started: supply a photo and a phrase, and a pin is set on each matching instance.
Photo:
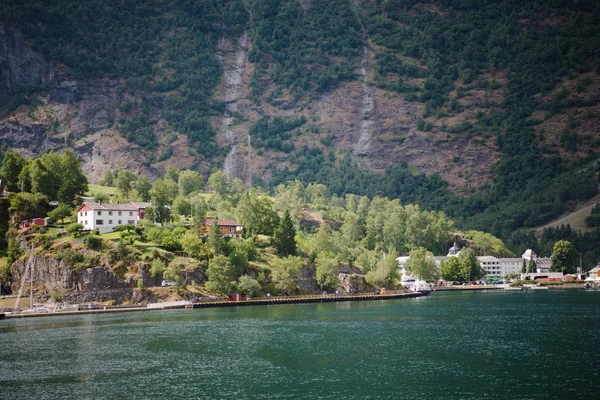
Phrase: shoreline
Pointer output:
(221, 304)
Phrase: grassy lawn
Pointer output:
(145, 247)
(109, 190)
(111, 236)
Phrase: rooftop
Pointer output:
(141, 204)
(221, 222)
(109, 207)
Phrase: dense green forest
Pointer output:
(466, 41)
(303, 51)
(430, 52)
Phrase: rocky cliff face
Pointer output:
(21, 68)
(60, 112)
(51, 274)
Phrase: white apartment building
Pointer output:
(105, 217)
(494, 267)
(502, 267)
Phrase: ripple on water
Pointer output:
(455, 345)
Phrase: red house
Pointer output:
(234, 296)
(33, 221)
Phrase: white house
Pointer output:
(105, 217)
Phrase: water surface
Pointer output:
(465, 345)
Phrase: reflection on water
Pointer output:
(450, 345)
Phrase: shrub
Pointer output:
(74, 229)
(44, 240)
(71, 257)
(126, 227)
(157, 268)
(92, 242)
(248, 286)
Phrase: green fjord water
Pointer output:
(459, 345)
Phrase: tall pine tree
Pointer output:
(284, 239)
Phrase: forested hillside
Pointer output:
(487, 110)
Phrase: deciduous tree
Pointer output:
(249, 286)
(218, 182)
(285, 273)
(470, 267)
(61, 212)
(220, 275)
(189, 182)
(191, 243)
(564, 257)
(421, 264)
(451, 270)
(327, 272)
(12, 164)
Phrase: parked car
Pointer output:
(168, 283)
(499, 283)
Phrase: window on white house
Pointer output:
(86, 213)
(99, 212)
(130, 221)
(110, 213)
(100, 222)
(131, 213)
(120, 213)
(120, 222)
(110, 221)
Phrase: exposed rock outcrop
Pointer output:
(354, 283)
(376, 124)
(54, 274)
(21, 68)
(233, 133)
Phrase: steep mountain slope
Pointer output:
(498, 98)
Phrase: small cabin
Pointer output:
(227, 228)
(234, 296)
(33, 221)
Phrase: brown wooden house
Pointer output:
(227, 227)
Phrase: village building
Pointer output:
(227, 228)
(501, 268)
(33, 222)
(235, 296)
(543, 276)
(106, 217)
(594, 273)
(494, 267)
(141, 207)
